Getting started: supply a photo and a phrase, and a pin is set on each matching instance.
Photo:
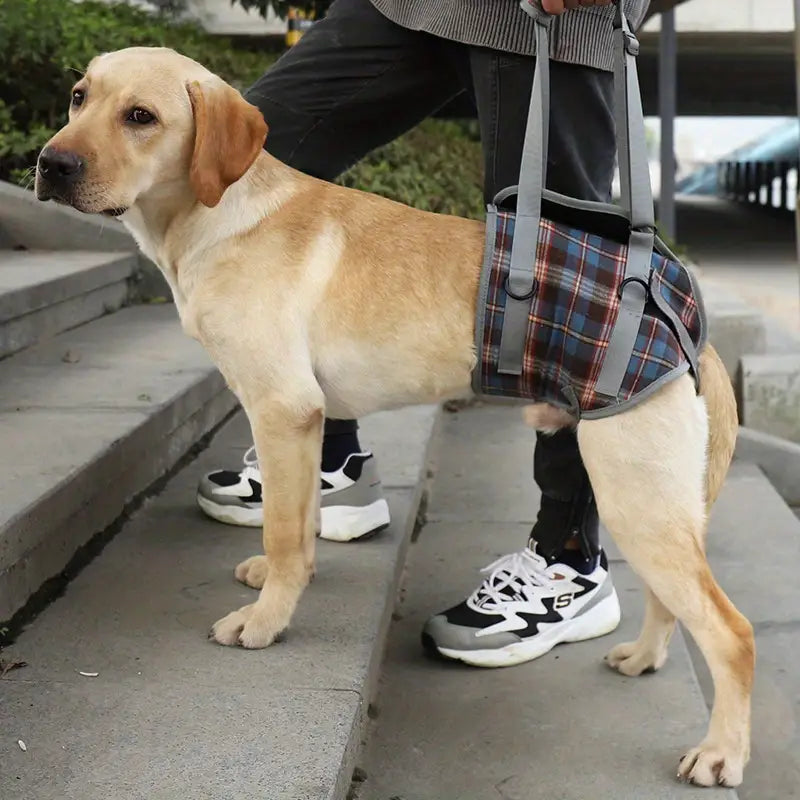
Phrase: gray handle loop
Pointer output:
(637, 202)
(637, 194)
(533, 170)
(634, 171)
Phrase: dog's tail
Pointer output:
(723, 420)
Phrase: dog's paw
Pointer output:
(633, 659)
(710, 765)
(246, 628)
(228, 629)
(252, 571)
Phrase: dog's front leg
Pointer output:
(288, 438)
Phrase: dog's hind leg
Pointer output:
(649, 652)
(647, 468)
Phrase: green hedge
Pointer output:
(44, 45)
(435, 167)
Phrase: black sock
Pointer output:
(336, 447)
(578, 561)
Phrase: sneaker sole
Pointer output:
(232, 515)
(598, 621)
(338, 523)
(346, 523)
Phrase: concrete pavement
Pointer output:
(566, 726)
(171, 716)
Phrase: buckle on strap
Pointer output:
(632, 45)
(634, 279)
(527, 296)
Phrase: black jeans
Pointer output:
(356, 81)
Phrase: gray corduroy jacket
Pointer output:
(580, 36)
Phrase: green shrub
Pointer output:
(435, 167)
(45, 44)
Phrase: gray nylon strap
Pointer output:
(621, 124)
(687, 345)
(631, 307)
(637, 200)
(634, 172)
(525, 243)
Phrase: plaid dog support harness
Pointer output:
(583, 307)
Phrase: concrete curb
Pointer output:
(778, 459)
(753, 548)
(769, 394)
(28, 222)
(735, 328)
(413, 515)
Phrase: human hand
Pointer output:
(560, 6)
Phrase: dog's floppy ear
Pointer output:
(229, 134)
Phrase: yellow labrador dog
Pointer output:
(365, 304)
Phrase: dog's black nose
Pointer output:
(60, 166)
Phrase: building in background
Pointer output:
(702, 141)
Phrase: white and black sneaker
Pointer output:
(352, 503)
(524, 608)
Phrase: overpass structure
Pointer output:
(736, 58)
(705, 58)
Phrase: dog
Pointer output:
(317, 300)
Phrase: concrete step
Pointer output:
(88, 421)
(43, 293)
(171, 715)
(564, 726)
(30, 223)
(769, 394)
(735, 328)
(27, 223)
(777, 458)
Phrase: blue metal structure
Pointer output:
(757, 173)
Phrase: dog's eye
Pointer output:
(141, 117)
(78, 96)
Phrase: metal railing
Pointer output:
(769, 184)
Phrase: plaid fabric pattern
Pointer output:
(572, 315)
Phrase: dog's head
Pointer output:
(144, 119)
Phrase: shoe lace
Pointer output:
(250, 458)
(523, 573)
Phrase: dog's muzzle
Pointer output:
(57, 173)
